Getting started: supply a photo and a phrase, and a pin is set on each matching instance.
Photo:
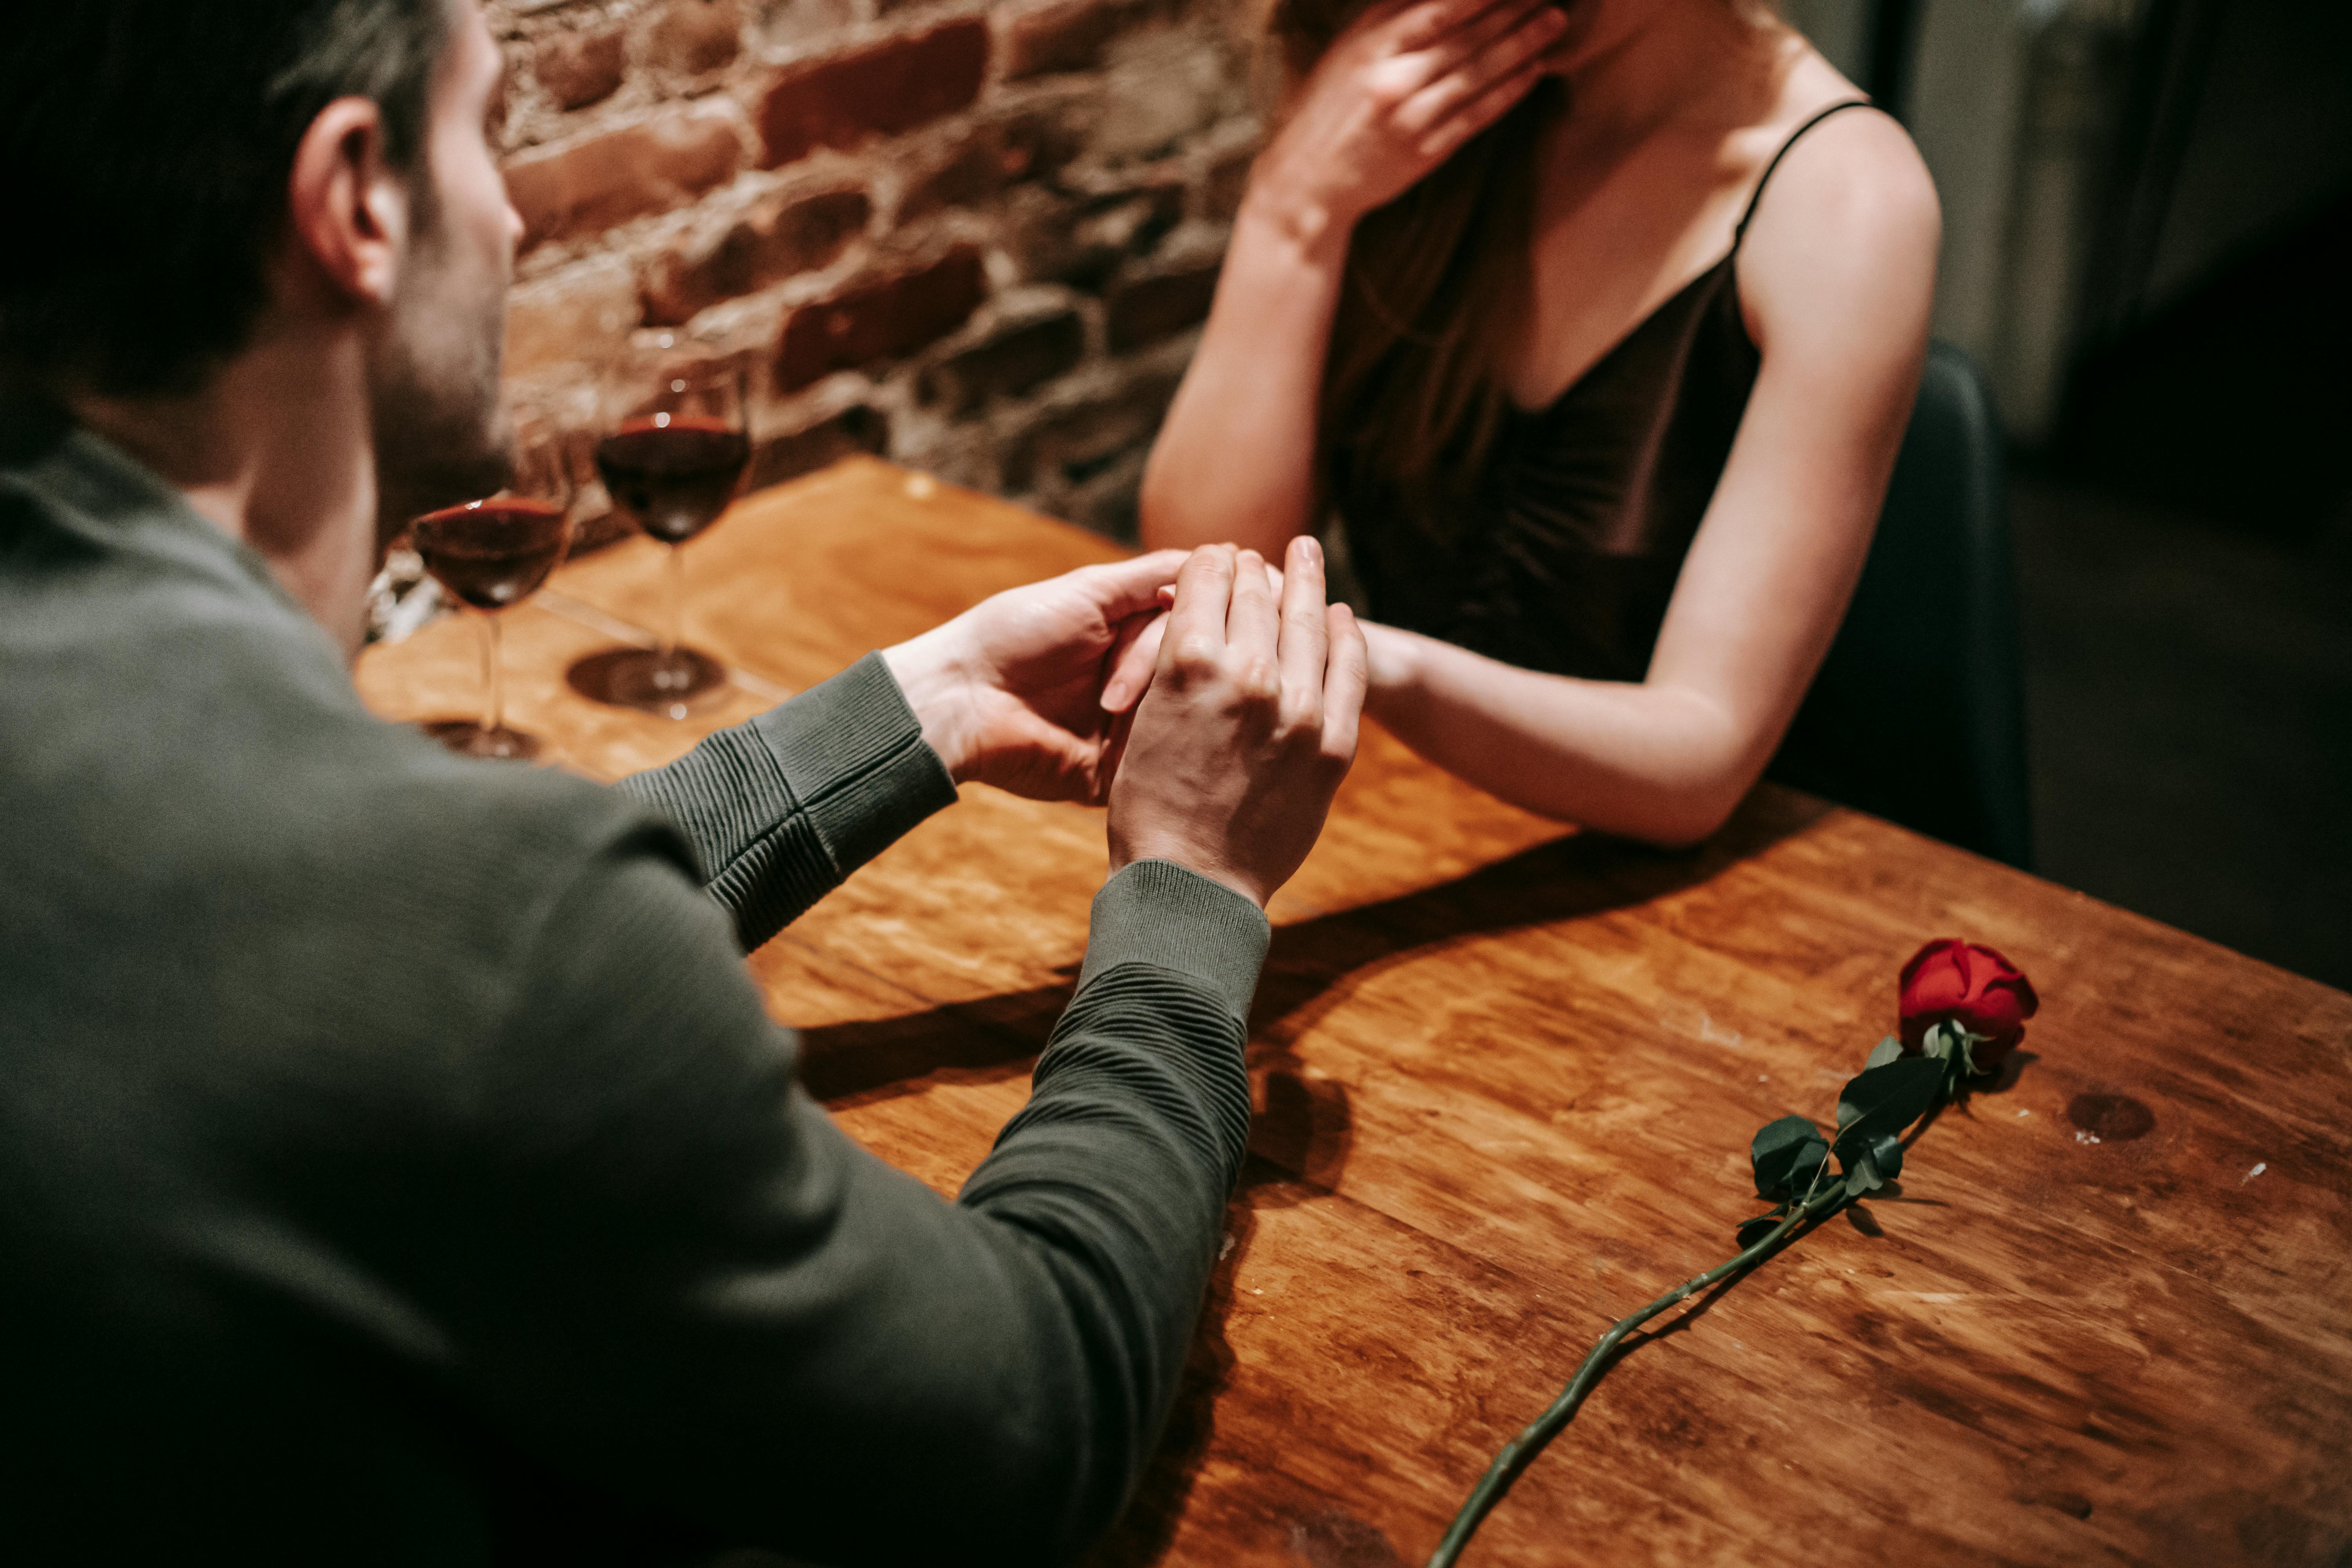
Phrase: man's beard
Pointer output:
(439, 432)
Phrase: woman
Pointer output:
(1607, 422)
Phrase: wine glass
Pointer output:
(492, 554)
(673, 460)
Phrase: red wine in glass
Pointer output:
(672, 462)
(674, 473)
(492, 554)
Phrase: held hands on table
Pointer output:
(1217, 731)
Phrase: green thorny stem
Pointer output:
(1818, 1203)
(1520, 1451)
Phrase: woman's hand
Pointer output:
(1407, 83)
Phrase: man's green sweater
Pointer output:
(396, 1164)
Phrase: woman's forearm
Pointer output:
(1662, 763)
(1235, 459)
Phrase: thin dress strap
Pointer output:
(1745, 218)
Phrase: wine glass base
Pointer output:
(469, 739)
(672, 685)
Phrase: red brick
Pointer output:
(799, 234)
(694, 35)
(1222, 188)
(582, 313)
(1076, 443)
(1067, 35)
(1083, 243)
(879, 317)
(1007, 364)
(1032, 146)
(878, 90)
(782, 457)
(580, 69)
(1140, 310)
(589, 187)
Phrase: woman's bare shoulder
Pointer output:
(1845, 234)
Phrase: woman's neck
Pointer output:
(1631, 65)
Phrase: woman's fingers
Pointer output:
(1133, 656)
(1426, 23)
(1490, 27)
(1480, 113)
(1501, 61)
(1346, 679)
(1404, 74)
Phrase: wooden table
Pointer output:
(1506, 1080)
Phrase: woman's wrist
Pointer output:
(1394, 665)
(1274, 212)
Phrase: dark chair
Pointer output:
(1918, 714)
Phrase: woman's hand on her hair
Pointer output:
(1398, 91)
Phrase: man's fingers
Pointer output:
(1123, 588)
(1252, 627)
(1114, 752)
(1132, 660)
(1196, 626)
(1304, 635)
(1347, 677)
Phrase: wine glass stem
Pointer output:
(673, 624)
(494, 680)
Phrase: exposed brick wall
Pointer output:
(977, 239)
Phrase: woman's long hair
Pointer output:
(1438, 281)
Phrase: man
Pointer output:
(395, 1163)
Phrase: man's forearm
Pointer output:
(781, 809)
(798, 1346)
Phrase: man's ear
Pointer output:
(347, 207)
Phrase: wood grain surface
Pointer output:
(1506, 1079)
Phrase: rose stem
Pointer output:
(1522, 1449)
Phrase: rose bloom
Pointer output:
(1975, 987)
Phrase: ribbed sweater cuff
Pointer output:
(853, 756)
(1157, 912)
(779, 810)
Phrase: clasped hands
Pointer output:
(1216, 728)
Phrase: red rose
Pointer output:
(1974, 986)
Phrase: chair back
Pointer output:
(1919, 714)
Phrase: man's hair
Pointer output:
(148, 144)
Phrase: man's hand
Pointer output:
(1249, 724)
(1008, 692)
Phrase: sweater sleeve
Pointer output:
(781, 809)
(711, 1302)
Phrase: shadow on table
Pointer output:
(1304, 1128)
(1568, 878)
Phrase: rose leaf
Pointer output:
(1787, 1155)
(1880, 1103)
